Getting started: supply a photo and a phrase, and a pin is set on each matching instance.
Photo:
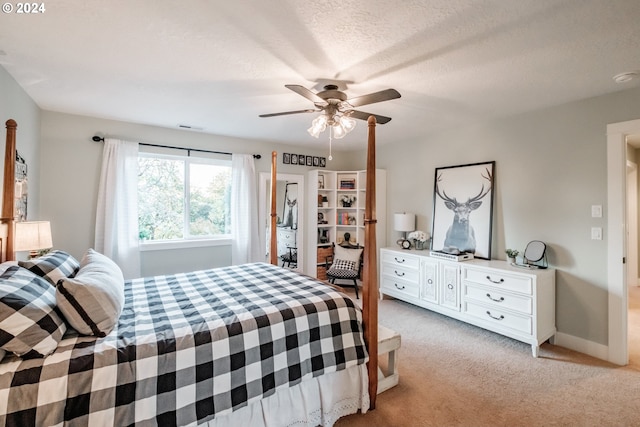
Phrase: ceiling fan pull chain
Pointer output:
(330, 141)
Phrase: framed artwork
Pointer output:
(286, 158)
(294, 159)
(302, 159)
(316, 161)
(320, 182)
(309, 160)
(323, 162)
(463, 209)
(21, 188)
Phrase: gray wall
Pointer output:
(17, 105)
(550, 168)
(70, 171)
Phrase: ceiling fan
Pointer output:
(338, 109)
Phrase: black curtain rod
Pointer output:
(255, 156)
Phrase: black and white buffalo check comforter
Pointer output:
(188, 347)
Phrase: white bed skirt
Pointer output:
(315, 402)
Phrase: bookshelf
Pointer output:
(337, 202)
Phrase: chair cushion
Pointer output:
(339, 273)
(340, 253)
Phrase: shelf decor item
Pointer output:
(347, 200)
(463, 209)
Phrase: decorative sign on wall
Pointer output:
(21, 190)
(304, 160)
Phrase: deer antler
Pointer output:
(482, 192)
(443, 196)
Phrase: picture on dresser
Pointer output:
(463, 209)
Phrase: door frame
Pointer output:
(617, 133)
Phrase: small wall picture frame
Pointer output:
(323, 162)
(286, 158)
(316, 161)
(294, 159)
(320, 182)
(309, 160)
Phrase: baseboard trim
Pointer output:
(582, 345)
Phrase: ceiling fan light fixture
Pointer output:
(318, 125)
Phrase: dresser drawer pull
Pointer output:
(493, 299)
(401, 261)
(494, 317)
(495, 281)
(396, 285)
(450, 286)
(430, 281)
(401, 274)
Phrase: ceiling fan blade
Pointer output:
(365, 116)
(372, 98)
(301, 90)
(288, 112)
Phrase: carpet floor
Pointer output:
(455, 374)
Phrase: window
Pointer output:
(183, 198)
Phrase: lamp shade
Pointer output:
(404, 221)
(33, 236)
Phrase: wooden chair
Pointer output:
(345, 264)
(290, 258)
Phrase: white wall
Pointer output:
(70, 172)
(550, 168)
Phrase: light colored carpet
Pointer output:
(454, 374)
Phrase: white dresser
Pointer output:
(286, 239)
(515, 302)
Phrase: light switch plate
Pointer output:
(596, 233)
(596, 211)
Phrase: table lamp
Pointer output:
(404, 222)
(33, 236)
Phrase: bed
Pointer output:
(254, 344)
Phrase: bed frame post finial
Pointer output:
(8, 195)
(370, 274)
(273, 244)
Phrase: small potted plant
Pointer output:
(512, 254)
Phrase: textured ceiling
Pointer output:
(217, 65)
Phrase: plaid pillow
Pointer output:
(342, 264)
(53, 266)
(30, 325)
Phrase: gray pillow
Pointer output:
(30, 324)
(92, 300)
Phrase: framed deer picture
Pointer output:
(463, 209)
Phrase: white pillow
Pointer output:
(345, 254)
(92, 300)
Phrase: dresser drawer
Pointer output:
(499, 279)
(287, 236)
(494, 297)
(403, 287)
(397, 258)
(500, 318)
(399, 272)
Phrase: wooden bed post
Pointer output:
(273, 244)
(370, 274)
(8, 195)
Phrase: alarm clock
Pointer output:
(404, 243)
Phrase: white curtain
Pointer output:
(244, 211)
(117, 211)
